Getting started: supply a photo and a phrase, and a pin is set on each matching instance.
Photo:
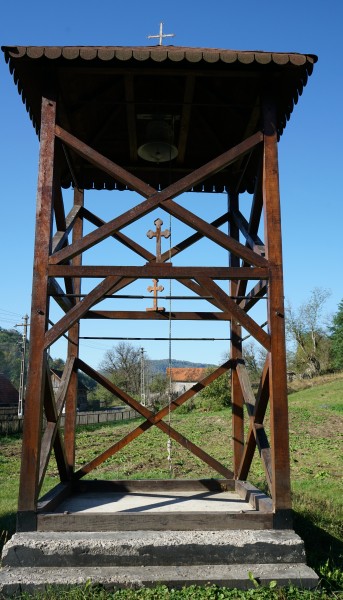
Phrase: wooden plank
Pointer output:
(276, 315)
(159, 271)
(154, 485)
(237, 313)
(155, 198)
(29, 474)
(258, 500)
(154, 419)
(160, 521)
(159, 316)
(51, 500)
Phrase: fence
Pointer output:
(11, 423)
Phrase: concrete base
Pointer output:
(234, 576)
(34, 560)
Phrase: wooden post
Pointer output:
(235, 352)
(73, 350)
(276, 316)
(28, 489)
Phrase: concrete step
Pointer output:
(150, 548)
(14, 581)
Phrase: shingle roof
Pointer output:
(106, 94)
(188, 375)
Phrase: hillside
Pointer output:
(160, 366)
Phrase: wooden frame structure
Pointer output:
(241, 102)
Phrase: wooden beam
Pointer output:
(29, 474)
(235, 351)
(252, 240)
(154, 419)
(155, 198)
(53, 411)
(254, 219)
(159, 271)
(59, 295)
(236, 312)
(61, 236)
(276, 314)
(257, 292)
(79, 309)
(158, 315)
(214, 234)
(256, 435)
(73, 348)
(121, 237)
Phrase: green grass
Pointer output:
(316, 436)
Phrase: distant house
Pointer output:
(183, 379)
(82, 390)
(9, 396)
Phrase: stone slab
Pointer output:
(129, 548)
(15, 581)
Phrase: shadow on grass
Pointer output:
(324, 552)
(7, 527)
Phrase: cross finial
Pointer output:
(155, 289)
(161, 35)
(158, 234)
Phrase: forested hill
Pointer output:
(160, 366)
(10, 353)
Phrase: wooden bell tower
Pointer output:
(226, 111)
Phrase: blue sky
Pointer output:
(310, 151)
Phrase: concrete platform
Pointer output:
(33, 561)
(141, 533)
(187, 501)
(235, 576)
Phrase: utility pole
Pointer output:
(22, 365)
(142, 378)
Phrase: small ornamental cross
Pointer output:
(161, 35)
(155, 289)
(158, 234)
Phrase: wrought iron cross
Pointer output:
(158, 234)
(155, 289)
(161, 35)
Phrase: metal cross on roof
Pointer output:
(161, 35)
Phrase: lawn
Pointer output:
(316, 444)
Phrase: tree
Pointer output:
(305, 327)
(336, 330)
(10, 354)
(122, 364)
(216, 395)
